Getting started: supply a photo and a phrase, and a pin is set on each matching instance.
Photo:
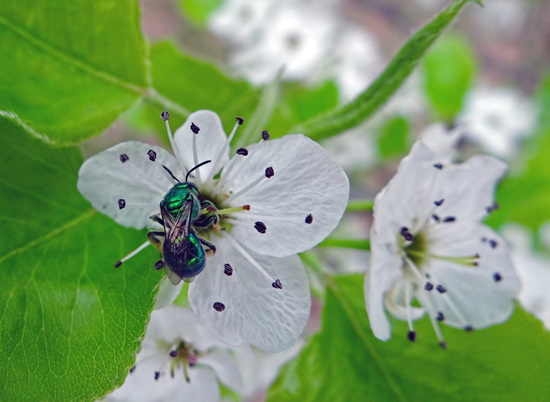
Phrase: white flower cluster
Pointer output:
(305, 38)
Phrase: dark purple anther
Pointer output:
(194, 128)
(277, 284)
(242, 151)
(449, 219)
(428, 286)
(265, 135)
(173, 353)
(441, 288)
(240, 120)
(219, 306)
(152, 155)
(118, 264)
(260, 227)
(440, 316)
(269, 172)
(493, 243)
(411, 336)
(438, 203)
(124, 158)
(497, 277)
(227, 269)
(406, 234)
(121, 203)
(309, 219)
(438, 166)
(468, 328)
(165, 115)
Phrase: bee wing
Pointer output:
(174, 278)
(180, 226)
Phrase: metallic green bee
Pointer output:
(183, 256)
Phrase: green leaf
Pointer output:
(525, 197)
(185, 84)
(448, 72)
(70, 322)
(393, 137)
(345, 362)
(340, 119)
(71, 67)
(198, 11)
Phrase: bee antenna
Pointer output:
(196, 167)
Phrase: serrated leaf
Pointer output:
(448, 69)
(70, 67)
(342, 118)
(508, 362)
(70, 322)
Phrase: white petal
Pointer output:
(398, 305)
(173, 323)
(104, 179)
(406, 200)
(478, 296)
(441, 140)
(383, 273)
(255, 312)
(225, 368)
(210, 140)
(307, 181)
(202, 386)
(167, 293)
(140, 384)
(468, 189)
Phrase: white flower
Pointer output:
(179, 360)
(427, 243)
(498, 119)
(271, 200)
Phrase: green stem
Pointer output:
(357, 244)
(347, 116)
(360, 205)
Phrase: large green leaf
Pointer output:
(448, 69)
(345, 362)
(70, 67)
(339, 119)
(70, 323)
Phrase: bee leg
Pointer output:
(153, 237)
(204, 221)
(156, 218)
(210, 246)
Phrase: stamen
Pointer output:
(219, 307)
(240, 120)
(194, 128)
(196, 154)
(309, 219)
(452, 306)
(121, 203)
(173, 353)
(468, 261)
(441, 288)
(492, 207)
(232, 167)
(493, 243)
(468, 328)
(265, 135)
(124, 158)
(440, 316)
(157, 375)
(137, 250)
(222, 151)
(435, 217)
(133, 369)
(268, 174)
(438, 166)
(277, 284)
(166, 116)
(428, 286)
(437, 330)
(227, 269)
(497, 277)
(242, 151)
(152, 155)
(438, 203)
(449, 219)
(247, 256)
(411, 335)
(225, 211)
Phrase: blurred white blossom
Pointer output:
(498, 120)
